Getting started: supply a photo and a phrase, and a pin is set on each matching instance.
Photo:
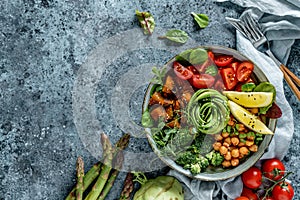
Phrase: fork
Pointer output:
(250, 28)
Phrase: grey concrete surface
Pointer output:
(43, 45)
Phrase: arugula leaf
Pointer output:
(175, 35)
(201, 19)
(158, 75)
(147, 21)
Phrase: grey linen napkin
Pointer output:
(280, 21)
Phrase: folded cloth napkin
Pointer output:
(280, 21)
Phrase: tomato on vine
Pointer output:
(283, 191)
(252, 178)
(273, 169)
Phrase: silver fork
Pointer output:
(250, 28)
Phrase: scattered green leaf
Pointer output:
(175, 35)
(248, 87)
(146, 21)
(201, 19)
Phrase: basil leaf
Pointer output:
(198, 56)
(201, 19)
(175, 35)
(211, 70)
(146, 21)
(248, 87)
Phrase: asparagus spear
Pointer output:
(80, 175)
(89, 177)
(128, 187)
(118, 161)
(106, 167)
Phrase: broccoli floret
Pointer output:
(215, 158)
(203, 161)
(195, 168)
(186, 158)
(194, 163)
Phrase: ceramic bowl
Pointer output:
(218, 173)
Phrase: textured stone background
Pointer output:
(43, 44)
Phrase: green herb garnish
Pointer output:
(201, 19)
(175, 35)
(146, 21)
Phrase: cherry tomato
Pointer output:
(273, 169)
(193, 69)
(252, 178)
(228, 77)
(283, 191)
(203, 81)
(223, 60)
(249, 193)
(242, 198)
(244, 71)
(234, 65)
(181, 71)
(267, 198)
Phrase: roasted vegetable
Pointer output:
(160, 188)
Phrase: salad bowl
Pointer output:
(213, 173)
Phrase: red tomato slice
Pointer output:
(193, 70)
(244, 71)
(211, 55)
(223, 60)
(181, 71)
(234, 65)
(228, 77)
(203, 81)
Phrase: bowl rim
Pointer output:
(232, 172)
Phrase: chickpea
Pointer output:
(235, 162)
(250, 137)
(254, 110)
(225, 144)
(217, 146)
(241, 156)
(253, 148)
(249, 143)
(223, 150)
(244, 151)
(227, 156)
(235, 141)
(228, 140)
(231, 122)
(235, 153)
(218, 137)
(241, 144)
(241, 127)
(226, 163)
(225, 134)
